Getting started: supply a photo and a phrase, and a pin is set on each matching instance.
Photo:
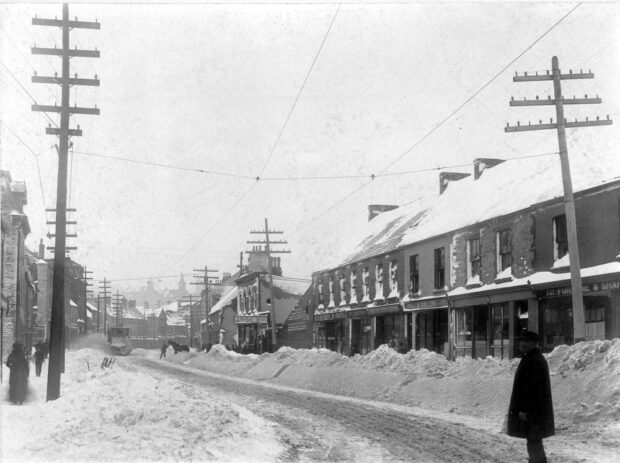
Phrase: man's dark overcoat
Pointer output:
(18, 380)
(531, 394)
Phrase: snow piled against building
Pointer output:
(585, 378)
(120, 414)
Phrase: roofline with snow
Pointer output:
(531, 208)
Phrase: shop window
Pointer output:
(473, 260)
(464, 328)
(414, 274)
(560, 237)
(353, 284)
(440, 268)
(379, 282)
(504, 250)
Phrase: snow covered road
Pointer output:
(322, 427)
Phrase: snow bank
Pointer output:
(121, 414)
(585, 377)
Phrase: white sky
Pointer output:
(210, 86)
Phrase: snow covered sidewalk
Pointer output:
(119, 414)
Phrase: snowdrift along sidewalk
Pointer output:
(585, 377)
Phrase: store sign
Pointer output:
(250, 319)
(383, 309)
(323, 317)
(440, 302)
(586, 288)
(298, 319)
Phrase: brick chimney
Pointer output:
(375, 209)
(480, 164)
(447, 177)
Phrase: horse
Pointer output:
(178, 347)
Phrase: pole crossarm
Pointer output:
(68, 235)
(270, 252)
(71, 24)
(552, 102)
(70, 132)
(68, 222)
(568, 125)
(60, 109)
(58, 80)
(548, 76)
(271, 232)
(265, 242)
(72, 53)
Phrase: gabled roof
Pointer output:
(226, 299)
(507, 188)
(290, 286)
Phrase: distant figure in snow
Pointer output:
(530, 414)
(18, 381)
(164, 347)
(39, 356)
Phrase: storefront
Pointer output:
(389, 321)
(601, 300)
(253, 333)
(330, 330)
(427, 324)
(361, 331)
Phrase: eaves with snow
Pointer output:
(512, 186)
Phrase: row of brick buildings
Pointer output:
(463, 272)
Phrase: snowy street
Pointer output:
(184, 408)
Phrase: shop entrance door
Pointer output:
(481, 331)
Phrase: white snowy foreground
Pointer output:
(124, 413)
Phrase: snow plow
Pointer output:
(118, 338)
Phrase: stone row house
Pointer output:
(464, 272)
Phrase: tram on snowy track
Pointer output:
(119, 341)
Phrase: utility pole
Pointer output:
(240, 263)
(105, 288)
(268, 251)
(569, 204)
(192, 318)
(118, 308)
(85, 280)
(63, 132)
(205, 281)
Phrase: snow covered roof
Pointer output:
(506, 188)
(290, 286)
(230, 295)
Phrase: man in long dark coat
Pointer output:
(530, 415)
(18, 381)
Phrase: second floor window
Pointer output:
(473, 258)
(560, 237)
(504, 250)
(366, 284)
(414, 274)
(440, 268)
(353, 285)
(379, 281)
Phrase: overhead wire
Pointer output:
(301, 89)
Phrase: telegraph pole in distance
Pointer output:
(87, 291)
(105, 288)
(267, 242)
(63, 132)
(118, 308)
(207, 304)
(569, 204)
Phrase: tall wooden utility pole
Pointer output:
(119, 300)
(63, 132)
(85, 280)
(205, 281)
(105, 288)
(268, 251)
(559, 101)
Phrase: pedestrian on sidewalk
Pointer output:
(530, 414)
(164, 347)
(39, 356)
(18, 380)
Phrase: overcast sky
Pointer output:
(217, 87)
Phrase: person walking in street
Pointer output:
(164, 347)
(39, 356)
(530, 414)
(18, 380)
